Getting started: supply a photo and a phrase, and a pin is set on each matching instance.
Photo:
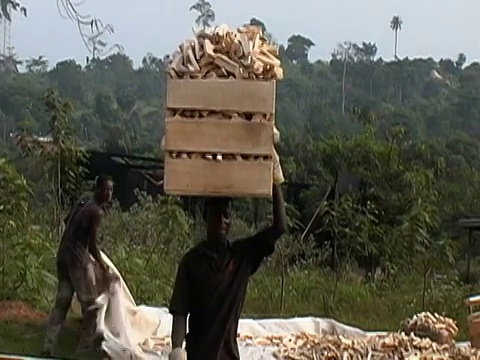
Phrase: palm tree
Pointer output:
(344, 52)
(37, 65)
(396, 25)
(206, 15)
(9, 63)
(7, 6)
(461, 60)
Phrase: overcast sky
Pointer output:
(437, 28)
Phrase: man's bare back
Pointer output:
(81, 231)
(75, 270)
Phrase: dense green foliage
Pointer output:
(408, 127)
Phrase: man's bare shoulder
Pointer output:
(91, 205)
(86, 196)
(90, 210)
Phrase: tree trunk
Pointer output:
(4, 46)
(396, 43)
(343, 83)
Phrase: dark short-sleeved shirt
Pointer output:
(210, 287)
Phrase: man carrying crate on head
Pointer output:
(219, 141)
(212, 281)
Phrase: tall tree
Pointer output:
(345, 52)
(396, 25)
(261, 25)
(365, 52)
(206, 15)
(298, 47)
(37, 65)
(9, 63)
(461, 60)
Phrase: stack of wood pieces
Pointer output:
(377, 347)
(220, 129)
(434, 326)
(228, 54)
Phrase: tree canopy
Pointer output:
(408, 127)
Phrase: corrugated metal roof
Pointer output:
(470, 223)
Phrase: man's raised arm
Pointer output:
(262, 244)
(279, 224)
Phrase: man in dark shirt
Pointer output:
(212, 280)
(76, 271)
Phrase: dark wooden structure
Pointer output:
(471, 224)
(129, 172)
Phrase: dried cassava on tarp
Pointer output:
(225, 53)
(378, 347)
(434, 326)
(392, 346)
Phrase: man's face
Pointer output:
(106, 191)
(218, 221)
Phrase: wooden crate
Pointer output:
(473, 319)
(474, 329)
(198, 176)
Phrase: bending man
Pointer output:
(212, 281)
(76, 270)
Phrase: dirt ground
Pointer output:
(20, 312)
(22, 331)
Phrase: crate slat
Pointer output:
(221, 95)
(200, 177)
(236, 136)
(474, 329)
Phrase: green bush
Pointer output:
(147, 242)
(25, 248)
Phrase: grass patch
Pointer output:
(27, 339)
(306, 293)
(367, 306)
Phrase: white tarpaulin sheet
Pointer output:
(138, 332)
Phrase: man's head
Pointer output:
(103, 188)
(217, 216)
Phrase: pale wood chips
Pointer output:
(226, 53)
(436, 342)
(391, 346)
(434, 326)
(379, 347)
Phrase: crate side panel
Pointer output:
(221, 95)
(222, 136)
(199, 177)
